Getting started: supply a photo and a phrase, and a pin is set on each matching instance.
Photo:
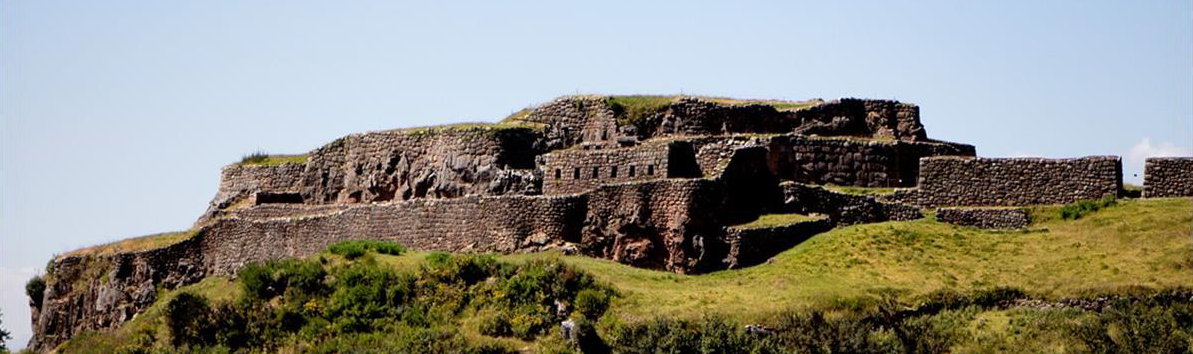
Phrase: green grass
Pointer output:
(769, 220)
(1133, 244)
(781, 105)
(1136, 243)
(260, 158)
(859, 190)
(632, 110)
(469, 126)
(134, 244)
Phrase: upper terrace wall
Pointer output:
(861, 117)
(854, 162)
(577, 170)
(571, 120)
(1013, 181)
(1168, 177)
(397, 165)
(824, 160)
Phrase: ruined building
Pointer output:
(662, 182)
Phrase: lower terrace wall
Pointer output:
(1168, 177)
(751, 246)
(843, 208)
(670, 224)
(957, 181)
(488, 224)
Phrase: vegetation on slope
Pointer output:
(135, 244)
(262, 158)
(769, 220)
(889, 287)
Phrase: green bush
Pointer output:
(35, 288)
(592, 303)
(188, 319)
(275, 277)
(354, 249)
(495, 324)
(1081, 208)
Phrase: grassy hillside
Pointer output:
(859, 282)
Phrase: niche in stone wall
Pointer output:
(613, 172)
(681, 161)
(631, 170)
(278, 198)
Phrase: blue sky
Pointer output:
(116, 116)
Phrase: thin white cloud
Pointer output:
(1133, 161)
(1145, 149)
(15, 305)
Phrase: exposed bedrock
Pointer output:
(97, 292)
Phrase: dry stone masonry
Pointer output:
(1168, 177)
(650, 181)
(959, 181)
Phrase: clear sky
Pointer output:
(115, 116)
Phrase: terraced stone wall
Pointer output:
(751, 246)
(671, 224)
(957, 181)
(854, 162)
(1168, 177)
(576, 171)
(843, 208)
(572, 120)
(862, 117)
(397, 165)
(468, 224)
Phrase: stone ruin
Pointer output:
(671, 185)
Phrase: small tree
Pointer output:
(4, 336)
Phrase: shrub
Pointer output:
(496, 324)
(592, 303)
(1081, 208)
(187, 318)
(255, 157)
(353, 249)
(276, 277)
(35, 288)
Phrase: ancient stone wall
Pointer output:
(958, 181)
(751, 246)
(571, 120)
(467, 224)
(843, 208)
(240, 182)
(396, 165)
(690, 116)
(1168, 177)
(987, 218)
(854, 162)
(860, 117)
(576, 170)
(670, 224)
